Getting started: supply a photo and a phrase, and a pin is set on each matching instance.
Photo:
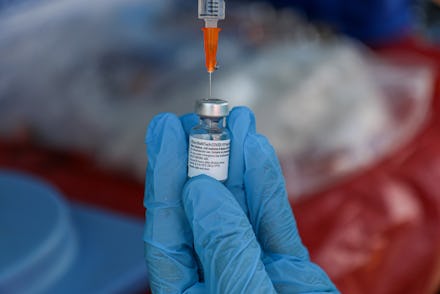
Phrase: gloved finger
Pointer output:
(167, 236)
(223, 239)
(269, 209)
(292, 275)
(285, 258)
(198, 288)
(189, 120)
(241, 122)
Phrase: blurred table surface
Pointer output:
(377, 232)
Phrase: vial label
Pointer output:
(208, 157)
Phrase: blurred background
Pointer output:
(346, 91)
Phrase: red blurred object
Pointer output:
(76, 176)
(378, 232)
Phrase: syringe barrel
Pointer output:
(211, 10)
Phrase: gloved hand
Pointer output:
(243, 232)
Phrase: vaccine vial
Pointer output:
(209, 141)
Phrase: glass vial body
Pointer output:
(209, 141)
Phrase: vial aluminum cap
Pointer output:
(212, 107)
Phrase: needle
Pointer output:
(210, 85)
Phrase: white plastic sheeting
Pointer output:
(90, 75)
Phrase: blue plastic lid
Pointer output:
(37, 240)
(49, 246)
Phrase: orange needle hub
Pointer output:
(211, 42)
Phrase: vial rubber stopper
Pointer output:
(212, 107)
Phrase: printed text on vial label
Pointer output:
(208, 157)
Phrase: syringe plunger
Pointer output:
(211, 11)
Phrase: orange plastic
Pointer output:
(211, 42)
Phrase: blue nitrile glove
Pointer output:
(244, 231)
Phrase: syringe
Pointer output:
(211, 11)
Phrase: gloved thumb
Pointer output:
(224, 239)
